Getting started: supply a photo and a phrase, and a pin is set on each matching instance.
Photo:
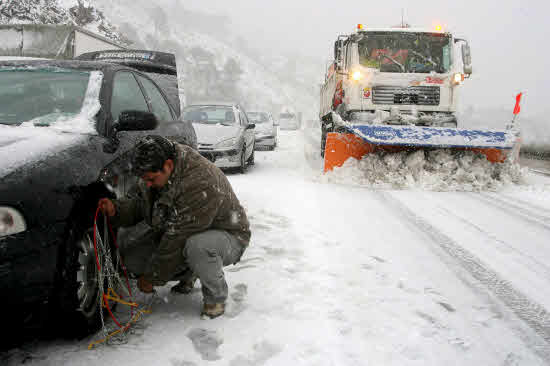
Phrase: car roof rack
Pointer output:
(143, 60)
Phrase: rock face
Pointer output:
(76, 12)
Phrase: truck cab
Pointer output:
(400, 76)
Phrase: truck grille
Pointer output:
(419, 95)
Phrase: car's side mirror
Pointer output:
(250, 126)
(136, 121)
(129, 121)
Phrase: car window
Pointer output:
(209, 114)
(286, 115)
(127, 95)
(160, 107)
(258, 117)
(41, 93)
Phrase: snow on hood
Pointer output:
(263, 127)
(212, 134)
(26, 143)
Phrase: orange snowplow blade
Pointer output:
(341, 146)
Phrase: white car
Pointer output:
(266, 129)
(288, 121)
(224, 134)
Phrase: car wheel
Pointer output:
(251, 158)
(79, 295)
(242, 167)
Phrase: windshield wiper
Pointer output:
(394, 61)
(435, 64)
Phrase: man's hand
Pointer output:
(107, 207)
(144, 285)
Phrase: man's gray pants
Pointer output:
(205, 253)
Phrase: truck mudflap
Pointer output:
(358, 140)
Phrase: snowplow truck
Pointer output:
(395, 89)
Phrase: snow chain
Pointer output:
(108, 279)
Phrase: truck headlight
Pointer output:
(11, 221)
(458, 78)
(227, 143)
(356, 75)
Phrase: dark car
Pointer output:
(67, 129)
(224, 133)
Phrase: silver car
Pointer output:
(266, 129)
(289, 121)
(224, 134)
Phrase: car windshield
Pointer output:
(258, 117)
(286, 116)
(406, 52)
(209, 114)
(30, 94)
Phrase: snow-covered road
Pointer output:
(346, 275)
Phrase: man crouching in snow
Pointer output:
(198, 225)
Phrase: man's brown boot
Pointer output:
(213, 310)
(184, 286)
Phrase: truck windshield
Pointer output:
(405, 51)
(30, 94)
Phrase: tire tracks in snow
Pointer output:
(527, 212)
(494, 239)
(532, 313)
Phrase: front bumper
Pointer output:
(268, 140)
(222, 158)
(28, 263)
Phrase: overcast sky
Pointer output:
(509, 39)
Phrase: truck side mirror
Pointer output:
(467, 58)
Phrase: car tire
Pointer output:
(78, 291)
(242, 167)
(251, 158)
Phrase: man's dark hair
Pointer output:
(150, 154)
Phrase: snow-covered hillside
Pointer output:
(212, 65)
(77, 12)
(214, 62)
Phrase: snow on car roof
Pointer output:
(19, 58)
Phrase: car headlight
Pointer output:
(227, 143)
(11, 221)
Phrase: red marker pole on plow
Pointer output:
(517, 107)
